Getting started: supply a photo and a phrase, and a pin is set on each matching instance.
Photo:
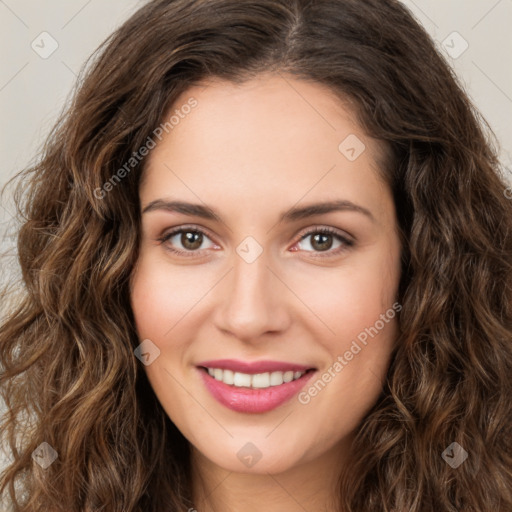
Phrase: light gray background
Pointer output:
(33, 90)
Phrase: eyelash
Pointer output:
(323, 230)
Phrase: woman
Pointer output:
(267, 264)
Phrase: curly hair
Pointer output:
(69, 375)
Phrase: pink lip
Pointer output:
(254, 367)
(248, 400)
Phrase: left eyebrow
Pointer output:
(293, 214)
(310, 210)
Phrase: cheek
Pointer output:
(347, 299)
(359, 352)
(161, 295)
(357, 306)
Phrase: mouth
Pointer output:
(251, 392)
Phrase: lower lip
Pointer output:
(248, 400)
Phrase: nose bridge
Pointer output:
(250, 278)
(251, 304)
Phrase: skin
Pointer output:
(251, 152)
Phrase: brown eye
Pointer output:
(191, 240)
(186, 241)
(322, 240)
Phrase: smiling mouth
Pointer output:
(261, 380)
(254, 392)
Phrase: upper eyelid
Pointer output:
(179, 229)
(331, 231)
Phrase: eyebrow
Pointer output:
(293, 214)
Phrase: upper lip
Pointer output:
(255, 366)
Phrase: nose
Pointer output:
(252, 301)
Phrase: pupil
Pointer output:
(323, 246)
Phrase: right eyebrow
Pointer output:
(196, 210)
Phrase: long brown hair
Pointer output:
(67, 344)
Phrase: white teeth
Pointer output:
(260, 380)
(241, 379)
(227, 377)
(257, 380)
(276, 378)
(288, 376)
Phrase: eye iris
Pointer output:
(191, 240)
(325, 243)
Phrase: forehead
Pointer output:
(268, 139)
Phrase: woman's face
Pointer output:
(265, 281)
